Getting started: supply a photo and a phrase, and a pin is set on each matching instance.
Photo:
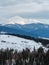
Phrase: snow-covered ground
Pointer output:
(8, 41)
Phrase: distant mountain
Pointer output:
(38, 29)
(12, 29)
(33, 30)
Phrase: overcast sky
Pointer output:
(24, 11)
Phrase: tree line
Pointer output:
(25, 57)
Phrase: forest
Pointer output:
(25, 57)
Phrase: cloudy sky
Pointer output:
(24, 11)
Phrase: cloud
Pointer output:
(11, 2)
(18, 9)
(3, 21)
(36, 9)
(25, 7)
(17, 19)
(20, 20)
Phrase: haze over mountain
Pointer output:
(22, 21)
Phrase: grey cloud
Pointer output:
(39, 15)
(24, 8)
(13, 2)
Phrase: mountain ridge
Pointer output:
(33, 30)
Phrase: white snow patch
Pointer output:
(14, 42)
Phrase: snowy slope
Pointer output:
(8, 41)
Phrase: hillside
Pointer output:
(14, 42)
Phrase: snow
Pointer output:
(14, 42)
(43, 38)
